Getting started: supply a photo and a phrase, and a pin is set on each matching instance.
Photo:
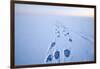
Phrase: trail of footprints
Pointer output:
(57, 54)
(62, 31)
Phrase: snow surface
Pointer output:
(34, 35)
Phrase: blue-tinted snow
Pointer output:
(35, 33)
